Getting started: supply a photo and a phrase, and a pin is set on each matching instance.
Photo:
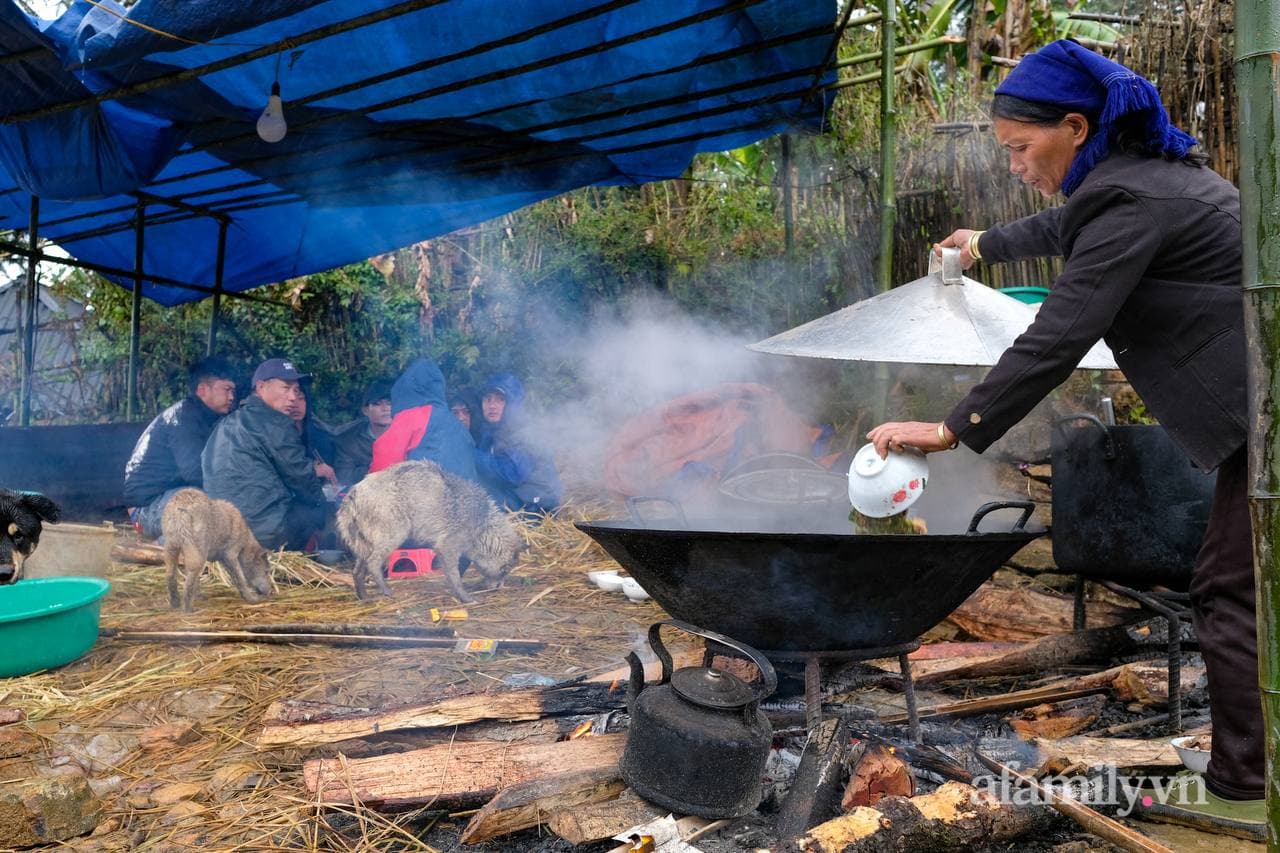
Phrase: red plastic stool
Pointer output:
(411, 563)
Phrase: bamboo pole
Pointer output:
(888, 141)
(135, 313)
(878, 56)
(1257, 60)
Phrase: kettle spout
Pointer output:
(637, 678)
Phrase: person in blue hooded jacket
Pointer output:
(422, 427)
(516, 472)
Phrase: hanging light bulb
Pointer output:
(271, 124)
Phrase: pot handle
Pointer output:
(1109, 443)
(633, 509)
(770, 678)
(1027, 508)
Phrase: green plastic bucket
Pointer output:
(1029, 295)
(48, 622)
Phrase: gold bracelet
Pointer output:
(973, 245)
(942, 436)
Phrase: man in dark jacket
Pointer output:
(517, 473)
(422, 426)
(256, 460)
(167, 455)
(355, 440)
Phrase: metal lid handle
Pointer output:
(952, 272)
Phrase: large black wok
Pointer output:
(811, 591)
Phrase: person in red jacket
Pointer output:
(415, 431)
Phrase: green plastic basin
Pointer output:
(1029, 295)
(48, 622)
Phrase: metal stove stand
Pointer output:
(1175, 607)
(813, 662)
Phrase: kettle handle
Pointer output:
(769, 677)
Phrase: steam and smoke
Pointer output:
(647, 352)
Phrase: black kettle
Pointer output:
(698, 740)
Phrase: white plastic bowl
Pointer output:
(879, 488)
(631, 589)
(606, 580)
(1194, 759)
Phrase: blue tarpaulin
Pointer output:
(406, 120)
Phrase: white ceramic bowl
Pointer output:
(631, 589)
(608, 581)
(879, 488)
(1195, 759)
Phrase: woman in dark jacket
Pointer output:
(1151, 240)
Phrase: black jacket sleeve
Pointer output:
(1113, 241)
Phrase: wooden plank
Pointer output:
(453, 774)
(531, 803)
(520, 704)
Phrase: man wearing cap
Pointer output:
(167, 455)
(1152, 244)
(256, 459)
(354, 441)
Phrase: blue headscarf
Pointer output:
(1068, 75)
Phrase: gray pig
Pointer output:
(417, 503)
(203, 529)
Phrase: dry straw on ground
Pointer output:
(213, 789)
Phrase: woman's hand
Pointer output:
(927, 437)
(958, 239)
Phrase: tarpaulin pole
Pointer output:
(888, 134)
(219, 266)
(31, 316)
(788, 213)
(135, 313)
(1257, 74)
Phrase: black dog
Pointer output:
(22, 518)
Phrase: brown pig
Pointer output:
(203, 529)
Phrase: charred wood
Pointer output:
(814, 796)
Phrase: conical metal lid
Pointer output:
(927, 321)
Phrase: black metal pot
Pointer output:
(1127, 504)
(811, 591)
(698, 740)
